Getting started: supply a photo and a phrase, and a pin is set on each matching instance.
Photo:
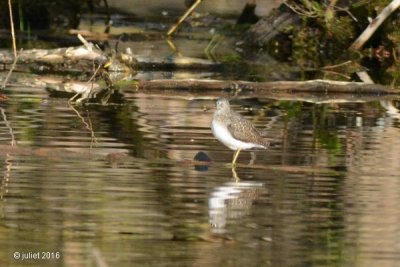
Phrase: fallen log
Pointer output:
(316, 91)
(315, 86)
(81, 60)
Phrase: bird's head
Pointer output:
(222, 104)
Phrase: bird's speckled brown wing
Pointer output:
(243, 130)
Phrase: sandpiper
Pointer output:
(234, 131)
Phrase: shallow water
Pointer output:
(116, 184)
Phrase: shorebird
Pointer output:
(235, 131)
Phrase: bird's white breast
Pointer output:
(224, 136)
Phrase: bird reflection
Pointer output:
(232, 201)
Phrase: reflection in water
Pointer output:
(332, 200)
(6, 178)
(87, 124)
(3, 113)
(232, 201)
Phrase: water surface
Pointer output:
(117, 184)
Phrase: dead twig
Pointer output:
(307, 11)
(337, 65)
(187, 13)
(327, 71)
(12, 29)
(89, 46)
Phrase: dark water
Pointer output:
(116, 185)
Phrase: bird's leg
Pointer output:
(235, 156)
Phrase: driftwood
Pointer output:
(316, 91)
(78, 59)
(81, 59)
(316, 86)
